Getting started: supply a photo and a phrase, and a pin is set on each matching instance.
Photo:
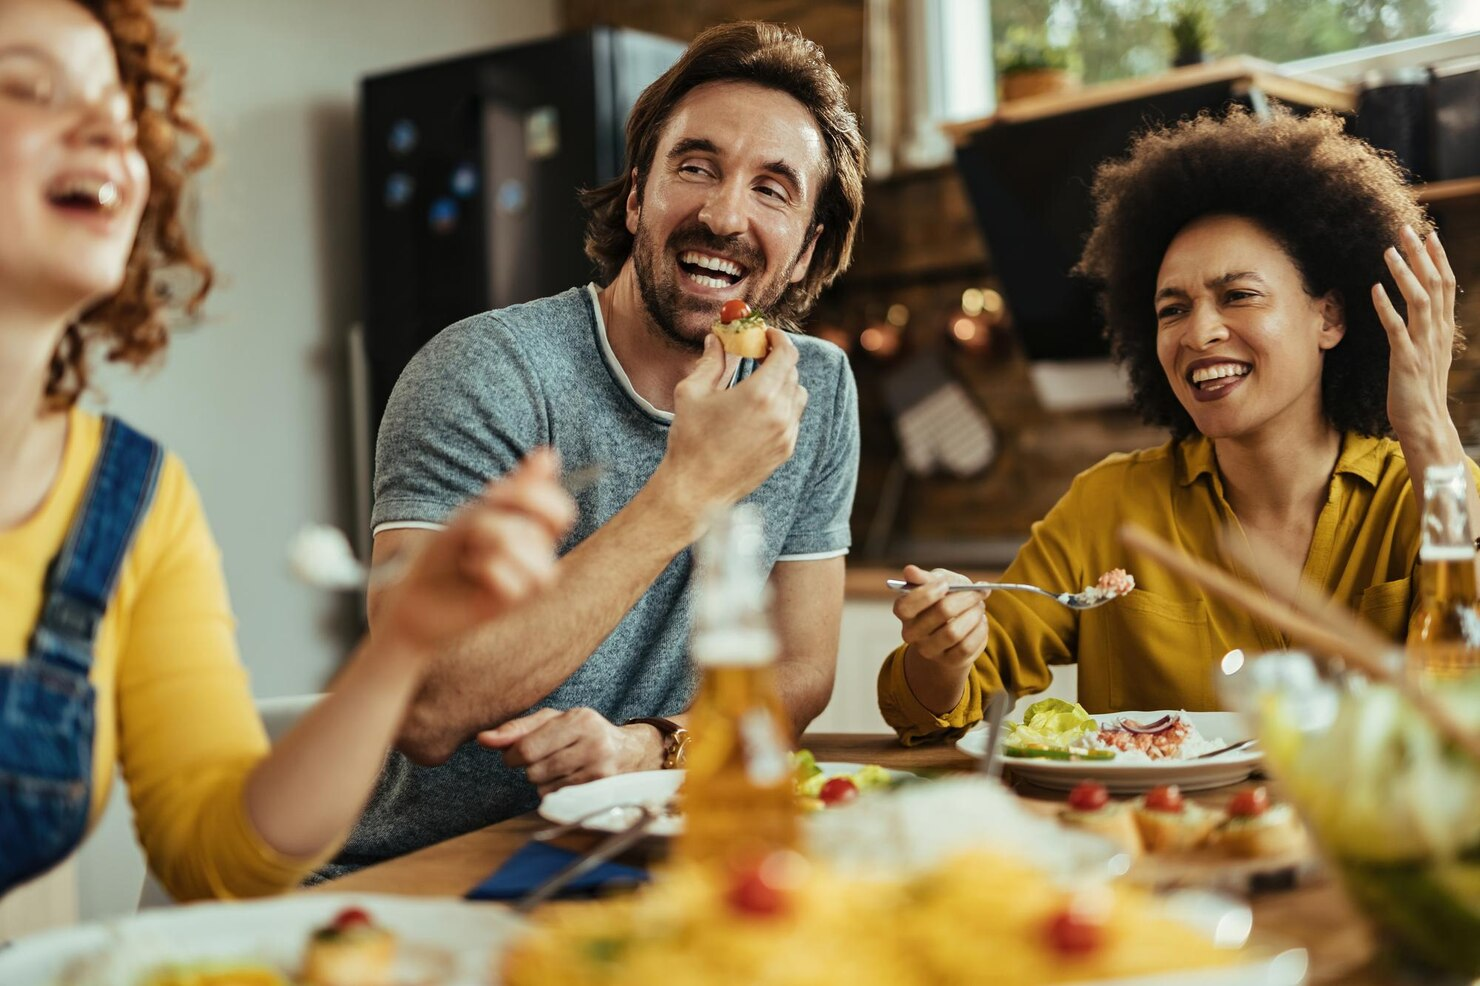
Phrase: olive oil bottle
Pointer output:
(738, 798)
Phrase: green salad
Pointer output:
(818, 790)
(1055, 730)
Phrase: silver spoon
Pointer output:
(320, 555)
(1088, 599)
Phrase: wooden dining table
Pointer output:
(1315, 914)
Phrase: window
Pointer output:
(1116, 39)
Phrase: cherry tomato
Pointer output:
(1166, 798)
(838, 791)
(733, 311)
(1249, 804)
(1089, 796)
(352, 917)
(763, 887)
(1074, 934)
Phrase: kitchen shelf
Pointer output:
(1241, 74)
(1449, 191)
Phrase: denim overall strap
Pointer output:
(47, 704)
(82, 576)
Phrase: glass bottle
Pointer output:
(739, 797)
(1444, 633)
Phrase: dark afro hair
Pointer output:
(1333, 201)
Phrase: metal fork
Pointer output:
(998, 708)
(1074, 600)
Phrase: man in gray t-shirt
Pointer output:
(744, 181)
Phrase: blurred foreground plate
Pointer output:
(452, 942)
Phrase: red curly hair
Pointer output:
(132, 326)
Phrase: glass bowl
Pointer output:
(1394, 809)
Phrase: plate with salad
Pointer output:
(1057, 744)
(611, 803)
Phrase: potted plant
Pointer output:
(1192, 32)
(1029, 66)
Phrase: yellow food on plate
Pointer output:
(217, 975)
(977, 918)
(350, 951)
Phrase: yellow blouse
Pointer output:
(173, 705)
(1158, 647)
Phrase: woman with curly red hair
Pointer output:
(1285, 309)
(116, 638)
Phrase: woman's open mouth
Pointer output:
(1211, 381)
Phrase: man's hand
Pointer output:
(726, 442)
(948, 629)
(495, 551)
(559, 748)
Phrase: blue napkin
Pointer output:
(537, 862)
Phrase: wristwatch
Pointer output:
(675, 738)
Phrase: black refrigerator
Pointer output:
(471, 168)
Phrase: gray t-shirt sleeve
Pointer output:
(466, 408)
(821, 525)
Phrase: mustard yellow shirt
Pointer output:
(1159, 646)
(173, 705)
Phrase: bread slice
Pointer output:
(746, 338)
(1274, 832)
(1175, 831)
(1113, 822)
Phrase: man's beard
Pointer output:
(667, 302)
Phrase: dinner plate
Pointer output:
(622, 793)
(1125, 777)
(442, 940)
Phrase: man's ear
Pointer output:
(804, 259)
(634, 203)
(1333, 320)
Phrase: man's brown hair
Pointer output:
(765, 55)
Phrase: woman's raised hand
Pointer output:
(495, 551)
(1423, 346)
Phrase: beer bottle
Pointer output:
(1444, 633)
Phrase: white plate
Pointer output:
(1125, 777)
(622, 792)
(455, 938)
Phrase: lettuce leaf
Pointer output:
(1052, 723)
(805, 765)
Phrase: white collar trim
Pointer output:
(616, 365)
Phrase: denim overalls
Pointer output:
(46, 700)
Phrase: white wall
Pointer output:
(254, 400)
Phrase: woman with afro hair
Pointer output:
(1286, 310)
(116, 639)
